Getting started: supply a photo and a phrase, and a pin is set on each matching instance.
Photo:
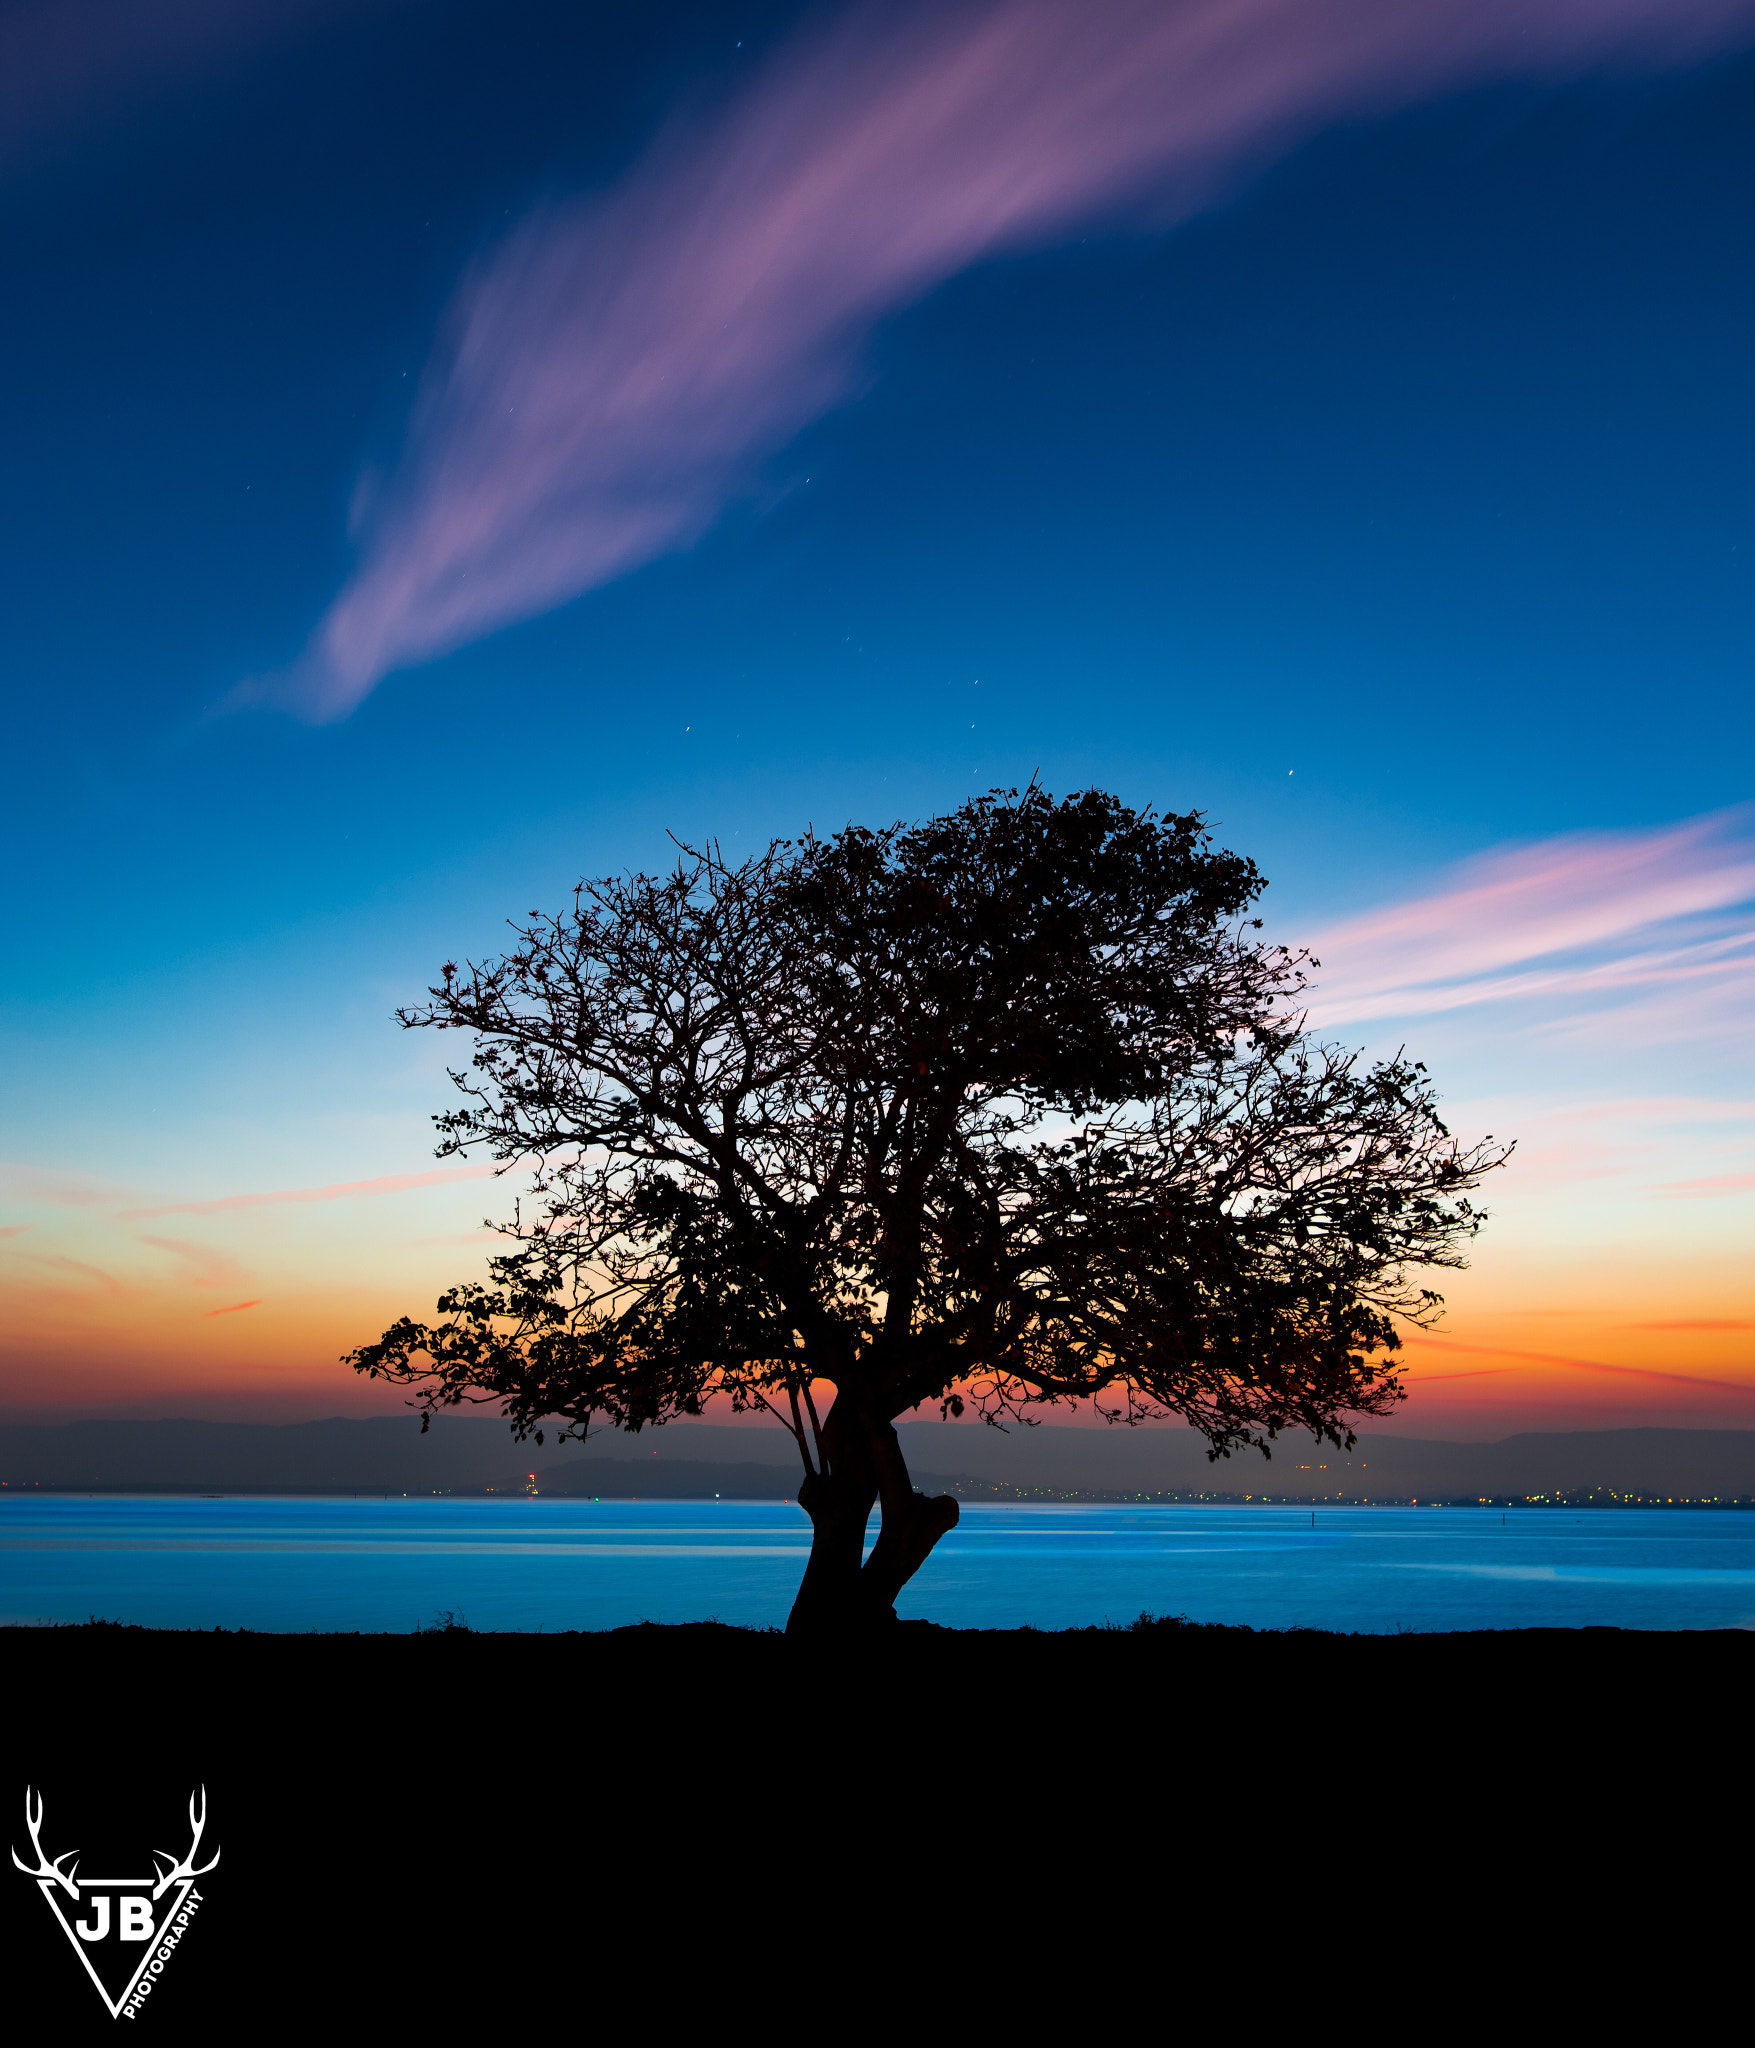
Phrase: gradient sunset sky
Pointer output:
(444, 447)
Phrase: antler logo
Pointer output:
(123, 1929)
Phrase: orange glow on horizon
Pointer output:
(1628, 1320)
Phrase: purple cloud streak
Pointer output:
(611, 374)
(1646, 936)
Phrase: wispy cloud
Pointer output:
(1479, 1372)
(236, 1308)
(206, 1266)
(1713, 1323)
(1637, 1372)
(337, 1191)
(1656, 925)
(77, 1269)
(1629, 1147)
(610, 375)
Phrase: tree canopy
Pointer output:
(1011, 1107)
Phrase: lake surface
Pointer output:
(517, 1563)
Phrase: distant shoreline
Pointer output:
(477, 1455)
(974, 1493)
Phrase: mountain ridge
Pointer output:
(476, 1454)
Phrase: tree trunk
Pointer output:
(842, 1593)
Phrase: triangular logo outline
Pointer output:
(51, 1878)
(149, 1949)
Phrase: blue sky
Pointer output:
(1391, 505)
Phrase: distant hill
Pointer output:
(477, 1454)
(672, 1479)
(1607, 1464)
(380, 1454)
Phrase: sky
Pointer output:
(444, 449)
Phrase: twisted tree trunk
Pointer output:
(861, 1465)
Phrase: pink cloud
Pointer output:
(1583, 921)
(611, 375)
(390, 1184)
(236, 1308)
(1618, 1158)
(1709, 1184)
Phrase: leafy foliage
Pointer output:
(1011, 1107)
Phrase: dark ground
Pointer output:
(657, 1829)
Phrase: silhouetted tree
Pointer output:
(1007, 1108)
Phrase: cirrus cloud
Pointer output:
(611, 375)
(336, 1191)
(1655, 929)
(1596, 1365)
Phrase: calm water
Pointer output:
(514, 1563)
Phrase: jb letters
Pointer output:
(124, 1930)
